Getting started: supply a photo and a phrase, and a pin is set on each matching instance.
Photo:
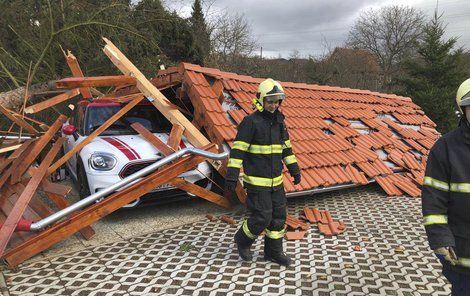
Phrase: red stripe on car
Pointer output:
(128, 147)
(128, 153)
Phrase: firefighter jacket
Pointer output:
(262, 143)
(446, 194)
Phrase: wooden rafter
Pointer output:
(20, 122)
(193, 135)
(73, 82)
(23, 200)
(175, 136)
(77, 72)
(179, 182)
(52, 101)
(91, 214)
(37, 148)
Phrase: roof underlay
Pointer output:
(340, 136)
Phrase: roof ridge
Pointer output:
(247, 78)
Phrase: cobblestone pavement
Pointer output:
(199, 258)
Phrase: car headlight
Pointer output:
(102, 161)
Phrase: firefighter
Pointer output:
(261, 144)
(446, 198)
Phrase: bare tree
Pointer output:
(390, 34)
(232, 39)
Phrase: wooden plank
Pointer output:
(175, 136)
(52, 101)
(77, 72)
(201, 192)
(193, 135)
(87, 232)
(20, 122)
(91, 214)
(98, 81)
(54, 188)
(178, 182)
(154, 140)
(23, 200)
(93, 135)
(10, 148)
(37, 148)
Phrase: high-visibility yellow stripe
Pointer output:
(265, 149)
(265, 182)
(287, 144)
(247, 231)
(275, 234)
(460, 187)
(240, 145)
(464, 262)
(441, 185)
(290, 159)
(435, 219)
(235, 163)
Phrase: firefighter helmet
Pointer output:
(268, 88)
(463, 95)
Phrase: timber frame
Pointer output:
(20, 180)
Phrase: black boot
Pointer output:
(243, 245)
(273, 251)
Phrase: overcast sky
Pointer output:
(312, 27)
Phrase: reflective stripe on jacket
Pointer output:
(446, 193)
(262, 143)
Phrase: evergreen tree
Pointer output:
(200, 32)
(435, 74)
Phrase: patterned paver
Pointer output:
(199, 258)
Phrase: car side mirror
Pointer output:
(69, 129)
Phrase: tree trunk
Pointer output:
(14, 99)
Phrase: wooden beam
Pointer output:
(15, 215)
(77, 72)
(9, 148)
(37, 148)
(98, 81)
(179, 182)
(201, 192)
(93, 135)
(93, 213)
(54, 188)
(20, 122)
(193, 135)
(154, 140)
(52, 101)
(174, 139)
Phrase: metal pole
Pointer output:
(36, 226)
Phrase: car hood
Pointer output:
(131, 147)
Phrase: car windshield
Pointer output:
(147, 115)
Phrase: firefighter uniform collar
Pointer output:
(276, 116)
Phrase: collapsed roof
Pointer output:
(340, 136)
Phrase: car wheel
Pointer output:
(83, 188)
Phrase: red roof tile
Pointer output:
(237, 115)
(329, 150)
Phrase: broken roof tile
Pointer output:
(237, 115)
(318, 118)
(388, 186)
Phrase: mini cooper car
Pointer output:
(120, 151)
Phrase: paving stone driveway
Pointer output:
(199, 258)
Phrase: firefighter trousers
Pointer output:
(267, 210)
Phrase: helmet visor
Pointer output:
(465, 100)
(271, 99)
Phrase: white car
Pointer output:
(120, 151)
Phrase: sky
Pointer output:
(314, 27)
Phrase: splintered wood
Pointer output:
(26, 165)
